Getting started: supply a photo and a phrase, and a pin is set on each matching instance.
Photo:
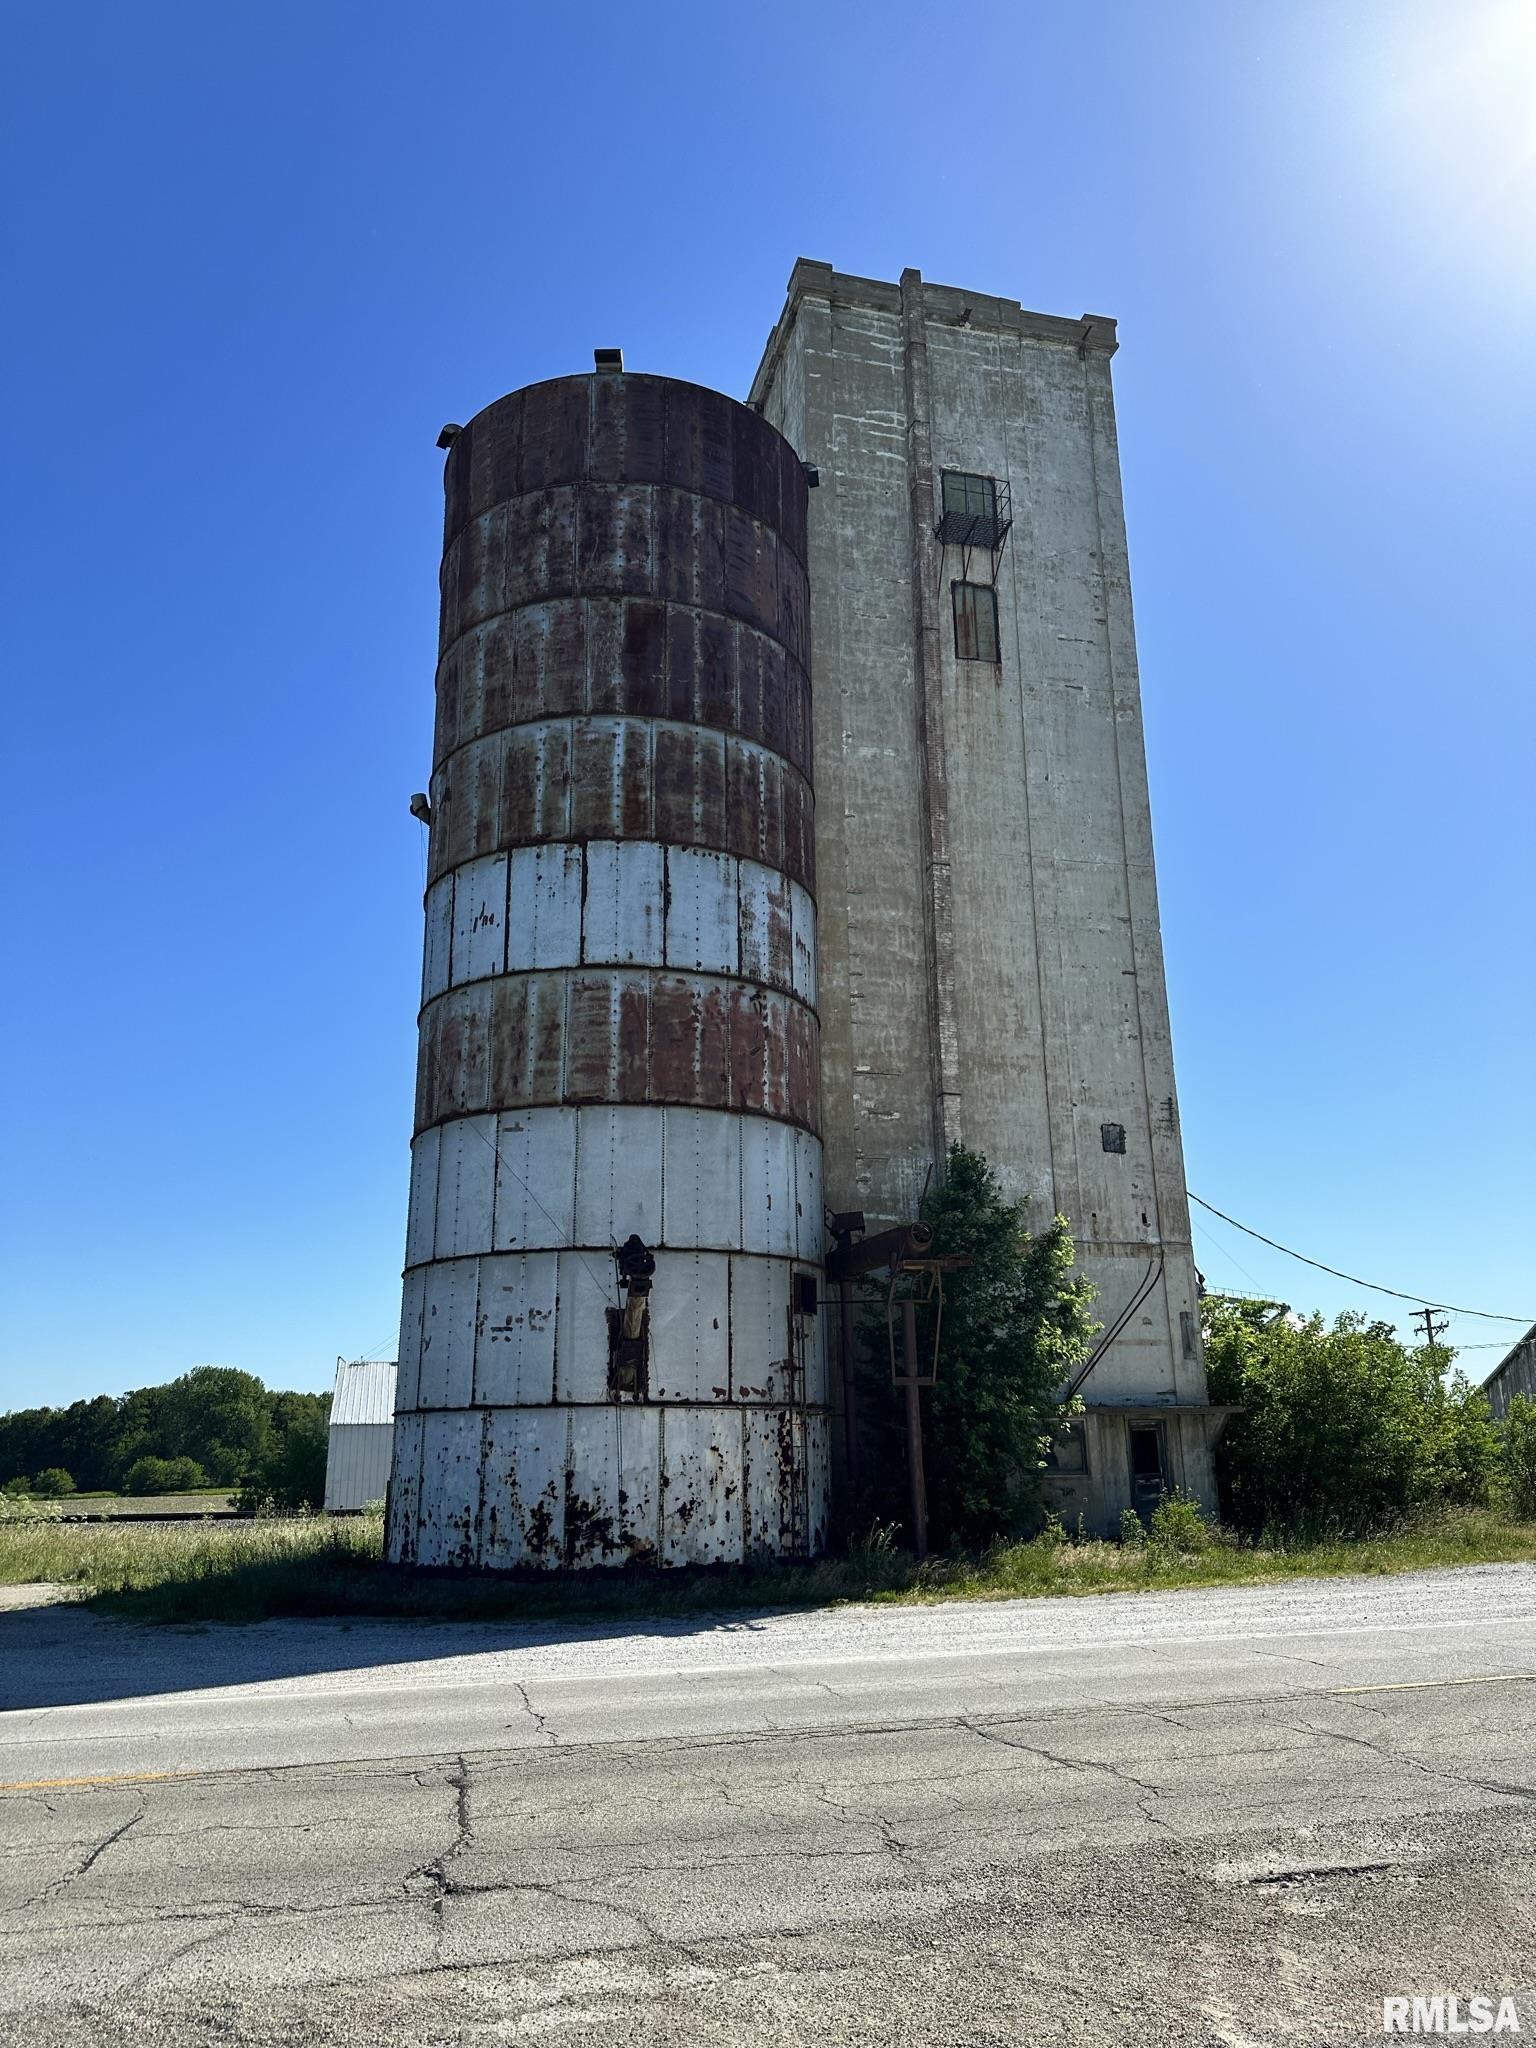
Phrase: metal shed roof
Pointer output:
(365, 1391)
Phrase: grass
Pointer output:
(246, 1571)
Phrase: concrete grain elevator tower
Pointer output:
(992, 964)
(611, 1345)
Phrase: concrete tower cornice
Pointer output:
(1089, 334)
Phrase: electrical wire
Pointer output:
(1424, 1300)
(1142, 1294)
(606, 1292)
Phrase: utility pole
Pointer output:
(1433, 1325)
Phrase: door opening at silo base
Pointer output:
(1147, 1466)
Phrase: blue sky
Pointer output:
(258, 254)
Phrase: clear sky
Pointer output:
(257, 254)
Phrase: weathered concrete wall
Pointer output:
(618, 1029)
(991, 966)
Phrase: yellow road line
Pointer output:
(121, 1778)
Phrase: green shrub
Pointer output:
(1344, 1427)
(1133, 1531)
(1518, 1448)
(52, 1483)
(291, 1472)
(148, 1475)
(1178, 1523)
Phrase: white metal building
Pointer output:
(362, 1433)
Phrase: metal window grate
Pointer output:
(974, 511)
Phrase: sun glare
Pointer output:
(1458, 97)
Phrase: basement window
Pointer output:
(975, 621)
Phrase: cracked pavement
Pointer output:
(1238, 1816)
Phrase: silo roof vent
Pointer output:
(610, 360)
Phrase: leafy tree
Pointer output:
(292, 1473)
(1345, 1425)
(1015, 1323)
(52, 1483)
(183, 1474)
(148, 1475)
(220, 1416)
(1518, 1445)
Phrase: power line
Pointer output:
(1424, 1301)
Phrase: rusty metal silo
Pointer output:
(618, 1039)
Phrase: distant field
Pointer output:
(207, 1500)
(315, 1564)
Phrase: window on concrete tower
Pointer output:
(975, 621)
(969, 497)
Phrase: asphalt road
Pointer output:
(1238, 1817)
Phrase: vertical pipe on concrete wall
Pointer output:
(618, 1030)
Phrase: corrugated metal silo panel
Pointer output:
(438, 954)
(701, 1178)
(405, 1490)
(818, 1480)
(622, 917)
(803, 926)
(545, 907)
(536, 1178)
(810, 1216)
(466, 1182)
(756, 888)
(408, 1368)
(451, 1464)
(448, 1334)
(703, 915)
(515, 1340)
(581, 1326)
(701, 1472)
(639, 1481)
(759, 1326)
(522, 1512)
(480, 918)
(592, 1533)
(618, 1175)
(768, 1221)
(690, 1319)
(769, 1477)
(421, 1221)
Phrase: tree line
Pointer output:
(214, 1426)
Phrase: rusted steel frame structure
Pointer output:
(904, 1248)
(618, 1034)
